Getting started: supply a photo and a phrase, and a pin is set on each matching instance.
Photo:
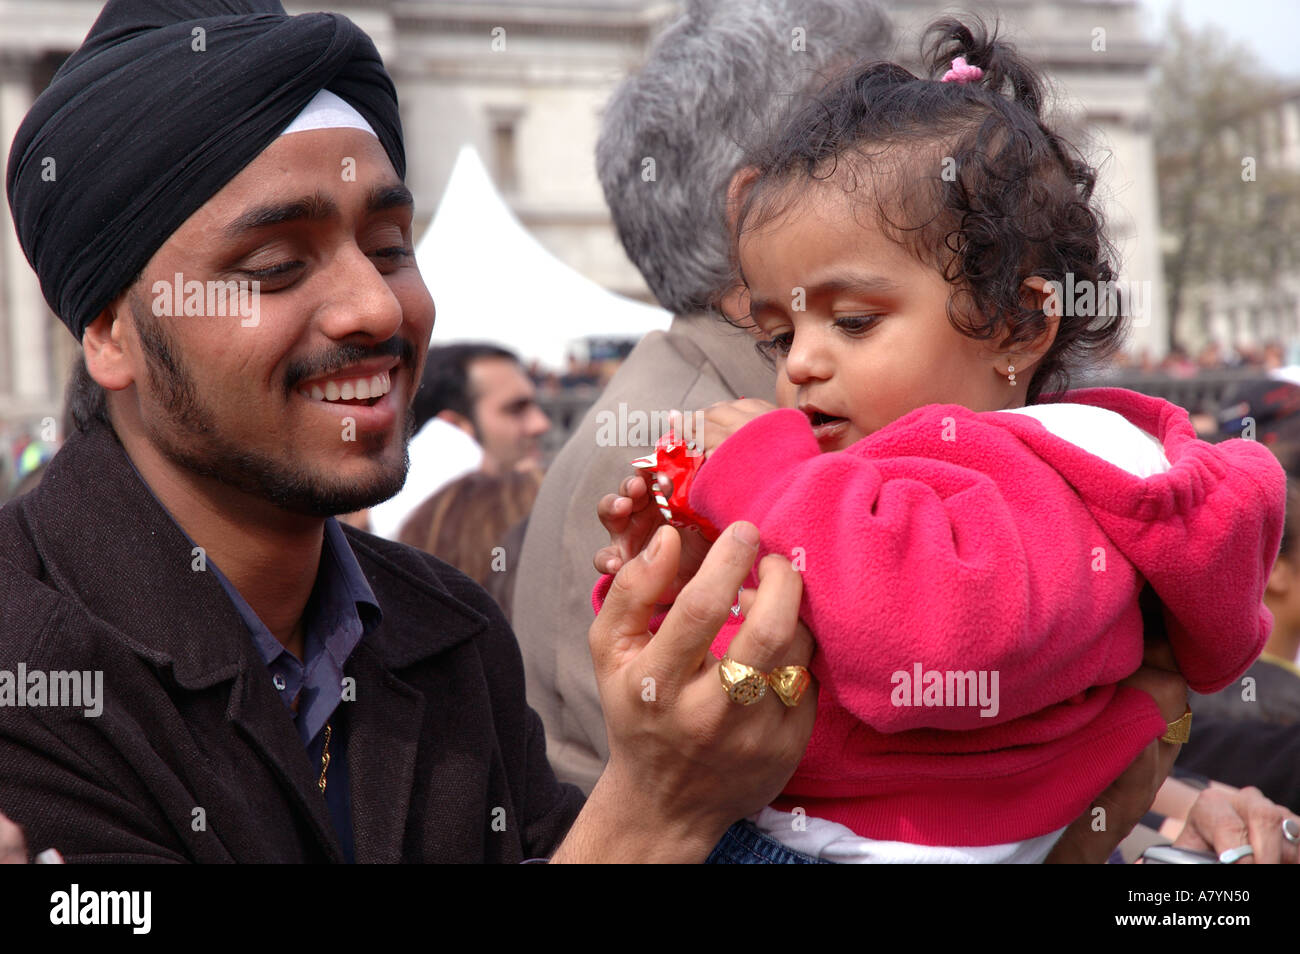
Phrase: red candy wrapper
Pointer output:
(675, 462)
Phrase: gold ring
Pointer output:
(744, 684)
(1179, 730)
(789, 683)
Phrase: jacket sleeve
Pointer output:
(909, 561)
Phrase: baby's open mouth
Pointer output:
(819, 418)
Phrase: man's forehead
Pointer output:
(492, 376)
(335, 164)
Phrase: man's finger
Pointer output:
(621, 626)
(1168, 689)
(1264, 821)
(704, 603)
(1213, 824)
(768, 637)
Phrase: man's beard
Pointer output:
(211, 454)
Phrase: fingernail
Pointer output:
(648, 554)
(48, 857)
(746, 533)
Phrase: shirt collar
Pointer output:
(339, 578)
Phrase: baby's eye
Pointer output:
(855, 324)
(777, 344)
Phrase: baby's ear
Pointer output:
(734, 305)
(1038, 293)
(737, 190)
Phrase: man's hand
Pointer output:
(720, 421)
(13, 848)
(1224, 818)
(1092, 837)
(685, 761)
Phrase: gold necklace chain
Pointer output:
(325, 758)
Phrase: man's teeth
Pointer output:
(362, 389)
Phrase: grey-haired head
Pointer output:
(723, 74)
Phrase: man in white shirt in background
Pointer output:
(476, 410)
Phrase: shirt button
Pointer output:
(279, 682)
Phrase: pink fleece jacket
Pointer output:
(959, 541)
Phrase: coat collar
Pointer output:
(106, 541)
(731, 351)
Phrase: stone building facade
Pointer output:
(525, 82)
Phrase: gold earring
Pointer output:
(1011, 370)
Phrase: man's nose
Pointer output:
(538, 422)
(358, 299)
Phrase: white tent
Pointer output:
(492, 281)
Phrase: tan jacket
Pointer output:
(699, 361)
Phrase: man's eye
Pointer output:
(393, 253)
(271, 272)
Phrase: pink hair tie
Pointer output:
(962, 72)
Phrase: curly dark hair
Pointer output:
(977, 186)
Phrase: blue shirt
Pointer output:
(339, 613)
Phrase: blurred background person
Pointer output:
(476, 523)
(483, 390)
(476, 410)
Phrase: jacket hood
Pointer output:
(1204, 534)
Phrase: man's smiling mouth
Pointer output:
(359, 390)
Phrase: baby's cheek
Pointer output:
(787, 395)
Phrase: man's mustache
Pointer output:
(344, 356)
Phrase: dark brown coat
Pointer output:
(95, 575)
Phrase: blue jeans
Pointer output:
(744, 844)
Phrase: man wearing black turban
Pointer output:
(211, 196)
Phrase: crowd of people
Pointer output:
(417, 646)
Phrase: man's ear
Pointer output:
(456, 419)
(1037, 293)
(103, 343)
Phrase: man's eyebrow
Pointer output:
(311, 208)
(384, 197)
(316, 208)
(859, 284)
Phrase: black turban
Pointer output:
(150, 118)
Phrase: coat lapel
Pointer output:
(106, 540)
(383, 742)
(422, 620)
(262, 718)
